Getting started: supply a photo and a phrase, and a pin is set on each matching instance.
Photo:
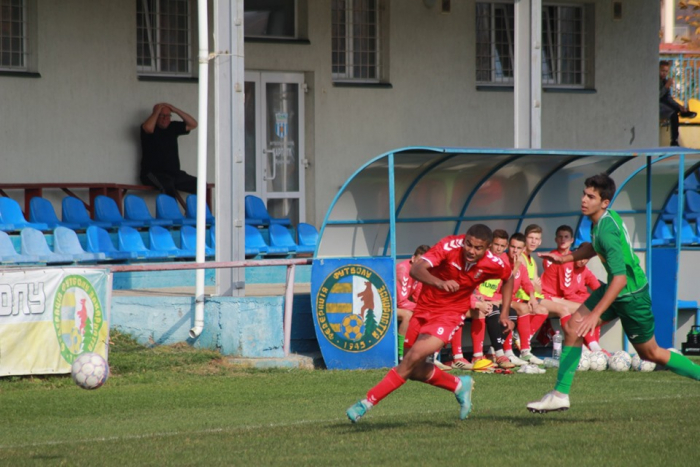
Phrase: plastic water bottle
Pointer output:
(551, 363)
(556, 345)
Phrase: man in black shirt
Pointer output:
(668, 107)
(160, 159)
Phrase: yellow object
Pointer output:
(693, 106)
(483, 365)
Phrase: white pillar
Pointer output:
(229, 96)
(528, 74)
(669, 21)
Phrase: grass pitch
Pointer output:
(179, 406)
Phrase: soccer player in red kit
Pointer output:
(449, 271)
(407, 293)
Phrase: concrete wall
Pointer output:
(79, 120)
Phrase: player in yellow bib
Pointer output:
(626, 296)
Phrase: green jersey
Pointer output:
(612, 243)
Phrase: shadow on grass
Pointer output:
(535, 420)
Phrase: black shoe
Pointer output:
(688, 114)
(674, 143)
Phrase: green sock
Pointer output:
(568, 363)
(682, 366)
(401, 338)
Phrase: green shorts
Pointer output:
(633, 310)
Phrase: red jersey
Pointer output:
(406, 286)
(546, 264)
(569, 282)
(447, 263)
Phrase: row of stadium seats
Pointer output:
(97, 246)
(256, 214)
(75, 215)
(281, 241)
(665, 234)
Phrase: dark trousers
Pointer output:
(170, 183)
(670, 111)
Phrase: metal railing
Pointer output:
(685, 71)
(288, 288)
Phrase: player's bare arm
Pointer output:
(585, 251)
(419, 271)
(589, 322)
(507, 293)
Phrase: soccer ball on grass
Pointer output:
(90, 371)
(599, 361)
(642, 365)
(620, 361)
(585, 363)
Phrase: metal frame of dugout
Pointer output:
(417, 195)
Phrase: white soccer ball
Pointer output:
(620, 361)
(585, 363)
(642, 365)
(599, 361)
(90, 371)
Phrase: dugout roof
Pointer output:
(417, 195)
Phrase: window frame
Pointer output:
(380, 23)
(27, 39)
(155, 70)
(293, 37)
(584, 46)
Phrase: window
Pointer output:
(356, 40)
(164, 38)
(564, 44)
(14, 48)
(270, 18)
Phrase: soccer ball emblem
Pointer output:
(620, 361)
(353, 327)
(585, 363)
(642, 365)
(90, 371)
(599, 361)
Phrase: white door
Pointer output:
(274, 142)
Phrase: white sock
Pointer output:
(499, 353)
(593, 346)
(509, 353)
(458, 355)
(478, 354)
(368, 405)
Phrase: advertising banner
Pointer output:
(50, 316)
(353, 304)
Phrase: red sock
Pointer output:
(588, 338)
(457, 341)
(597, 333)
(508, 344)
(524, 331)
(478, 333)
(443, 380)
(391, 382)
(563, 320)
(536, 322)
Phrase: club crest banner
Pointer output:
(48, 317)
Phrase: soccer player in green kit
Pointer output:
(626, 296)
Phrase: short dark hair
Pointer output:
(533, 228)
(603, 184)
(480, 231)
(664, 63)
(500, 233)
(565, 228)
(421, 250)
(518, 237)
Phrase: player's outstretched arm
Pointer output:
(419, 271)
(507, 294)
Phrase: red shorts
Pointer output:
(442, 326)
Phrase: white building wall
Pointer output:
(79, 121)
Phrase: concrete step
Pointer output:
(310, 361)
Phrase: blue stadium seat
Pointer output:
(191, 211)
(692, 205)
(308, 238)
(212, 238)
(74, 212)
(583, 234)
(11, 214)
(256, 213)
(7, 227)
(99, 241)
(162, 240)
(167, 208)
(670, 211)
(8, 253)
(188, 240)
(41, 211)
(135, 209)
(688, 237)
(106, 210)
(662, 234)
(255, 243)
(691, 182)
(34, 244)
(66, 242)
(281, 237)
(130, 240)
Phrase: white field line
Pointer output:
(171, 434)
